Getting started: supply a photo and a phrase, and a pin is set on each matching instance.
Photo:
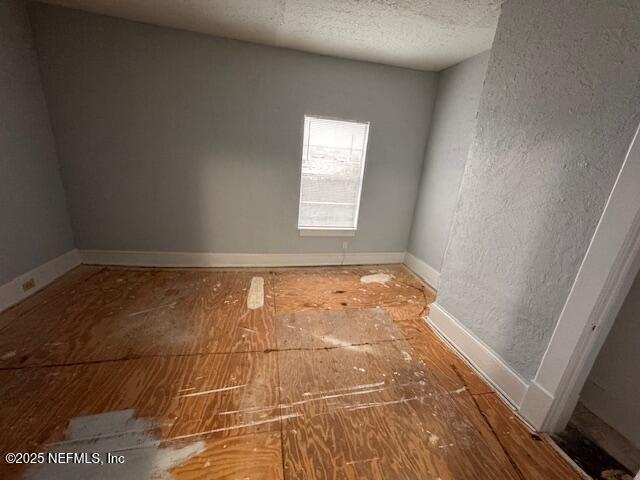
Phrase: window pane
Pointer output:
(332, 166)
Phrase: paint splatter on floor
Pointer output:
(255, 298)
(376, 278)
(119, 433)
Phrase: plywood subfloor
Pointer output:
(331, 378)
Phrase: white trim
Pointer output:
(326, 232)
(535, 404)
(12, 293)
(482, 358)
(423, 270)
(608, 269)
(194, 259)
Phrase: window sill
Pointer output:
(323, 232)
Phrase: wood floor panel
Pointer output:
(191, 397)
(340, 288)
(377, 413)
(532, 454)
(133, 313)
(69, 282)
(316, 381)
(253, 456)
(331, 377)
(452, 371)
(334, 328)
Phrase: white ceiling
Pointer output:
(420, 34)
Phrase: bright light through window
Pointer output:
(333, 157)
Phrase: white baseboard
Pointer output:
(535, 405)
(11, 292)
(483, 359)
(189, 259)
(423, 270)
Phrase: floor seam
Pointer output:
(197, 354)
(486, 421)
(279, 385)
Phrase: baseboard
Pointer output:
(536, 405)
(12, 292)
(483, 359)
(188, 259)
(423, 270)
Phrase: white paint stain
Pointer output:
(255, 298)
(433, 439)
(118, 433)
(381, 278)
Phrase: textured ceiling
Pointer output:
(420, 34)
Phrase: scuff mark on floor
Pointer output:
(141, 312)
(215, 390)
(345, 389)
(368, 460)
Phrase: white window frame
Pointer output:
(328, 231)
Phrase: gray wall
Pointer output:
(176, 141)
(558, 110)
(33, 215)
(612, 390)
(452, 125)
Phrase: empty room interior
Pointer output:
(331, 239)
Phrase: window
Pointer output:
(333, 156)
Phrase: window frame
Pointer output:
(332, 231)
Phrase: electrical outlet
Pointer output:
(345, 245)
(28, 285)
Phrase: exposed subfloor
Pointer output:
(598, 448)
(331, 377)
(595, 461)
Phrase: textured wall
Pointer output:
(452, 125)
(33, 214)
(612, 391)
(175, 141)
(558, 110)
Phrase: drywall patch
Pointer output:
(376, 278)
(255, 299)
(117, 433)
